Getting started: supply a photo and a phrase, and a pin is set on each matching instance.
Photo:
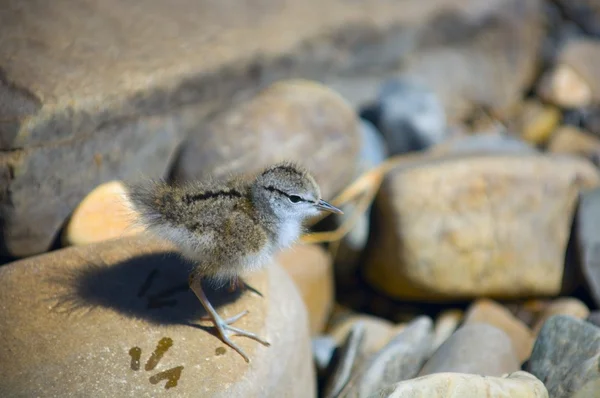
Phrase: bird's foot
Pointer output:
(225, 331)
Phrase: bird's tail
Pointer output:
(154, 203)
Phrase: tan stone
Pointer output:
(464, 226)
(569, 139)
(490, 312)
(378, 331)
(73, 322)
(104, 214)
(456, 385)
(311, 269)
(536, 121)
(562, 306)
(445, 325)
(296, 120)
(565, 87)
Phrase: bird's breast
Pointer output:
(289, 232)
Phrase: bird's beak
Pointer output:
(322, 205)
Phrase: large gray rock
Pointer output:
(116, 319)
(94, 91)
(566, 355)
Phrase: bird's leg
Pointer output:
(223, 326)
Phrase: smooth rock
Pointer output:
(104, 214)
(594, 318)
(562, 306)
(412, 118)
(488, 65)
(116, 319)
(476, 348)
(378, 331)
(571, 140)
(492, 313)
(565, 87)
(574, 81)
(445, 325)
(399, 360)
(45, 184)
(586, 13)
(88, 96)
(350, 354)
(536, 121)
(588, 241)
(456, 385)
(311, 269)
(297, 120)
(566, 355)
(462, 226)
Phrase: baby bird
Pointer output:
(227, 228)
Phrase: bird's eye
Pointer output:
(295, 198)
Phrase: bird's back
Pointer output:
(213, 222)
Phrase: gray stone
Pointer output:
(348, 357)
(323, 348)
(411, 116)
(117, 319)
(588, 236)
(594, 318)
(566, 355)
(475, 348)
(399, 360)
(585, 13)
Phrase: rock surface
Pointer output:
(294, 120)
(476, 348)
(588, 236)
(561, 306)
(463, 226)
(104, 214)
(503, 55)
(492, 313)
(566, 355)
(85, 321)
(569, 139)
(378, 331)
(399, 360)
(536, 121)
(88, 96)
(445, 325)
(310, 268)
(574, 81)
(456, 385)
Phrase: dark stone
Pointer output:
(566, 355)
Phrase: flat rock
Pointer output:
(116, 319)
(399, 360)
(561, 306)
(566, 355)
(311, 269)
(492, 313)
(461, 226)
(588, 241)
(456, 385)
(104, 214)
(100, 91)
(476, 348)
(348, 358)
